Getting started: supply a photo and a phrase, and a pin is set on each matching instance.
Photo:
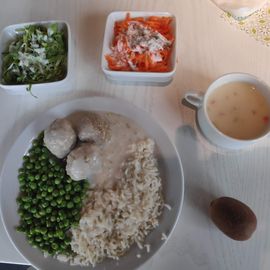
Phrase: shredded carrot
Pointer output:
(141, 44)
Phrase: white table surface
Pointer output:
(208, 47)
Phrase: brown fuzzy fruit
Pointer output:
(233, 218)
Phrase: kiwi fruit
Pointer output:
(233, 218)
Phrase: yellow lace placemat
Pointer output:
(257, 25)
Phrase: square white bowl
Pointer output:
(9, 34)
(134, 76)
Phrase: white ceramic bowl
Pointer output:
(9, 34)
(132, 76)
(170, 169)
(208, 129)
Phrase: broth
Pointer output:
(239, 110)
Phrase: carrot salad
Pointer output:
(141, 44)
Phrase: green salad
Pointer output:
(38, 55)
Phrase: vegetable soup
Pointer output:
(239, 110)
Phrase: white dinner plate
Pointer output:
(170, 168)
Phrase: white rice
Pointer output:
(164, 237)
(114, 219)
(167, 206)
(148, 248)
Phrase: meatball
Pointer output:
(83, 162)
(93, 128)
(60, 137)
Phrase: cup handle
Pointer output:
(194, 99)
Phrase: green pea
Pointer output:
(37, 167)
(63, 204)
(55, 193)
(27, 217)
(57, 181)
(54, 246)
(31, 177)
(77, 188)
(38, 239)
(67, 241)
(43, 230)
(42, 212)
(26, 199)
(44, 150)
(44, 194)
(53, 218)
(20, 229)
(21, 177)
(29, 221)
(59, 200)
(43, 163)
(35, 142)
(20, 212)
(52, 161)
(25, 158)
(21, 170)
(70, 205)
(48, 224)
(60, 234)
(49, 198)
(33, 210)
(48, 210)
(32, 160)
(29, 166)
(33, 185)
(62, 192)
(40, 136)
(50, 189)
(86, 184)
(45, 204)
(37, 215)
(74, 212)
(67, 197)
(27, 205)
(53, 203)
(37, 150)
(43, 157)
(77, 217)
(77, 199)
(50, 174)
(69, 180)
(66, 223)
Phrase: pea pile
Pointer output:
(49, 201)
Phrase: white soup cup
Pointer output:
(208, 129)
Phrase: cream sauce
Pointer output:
(239, 110)
(123, 132)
